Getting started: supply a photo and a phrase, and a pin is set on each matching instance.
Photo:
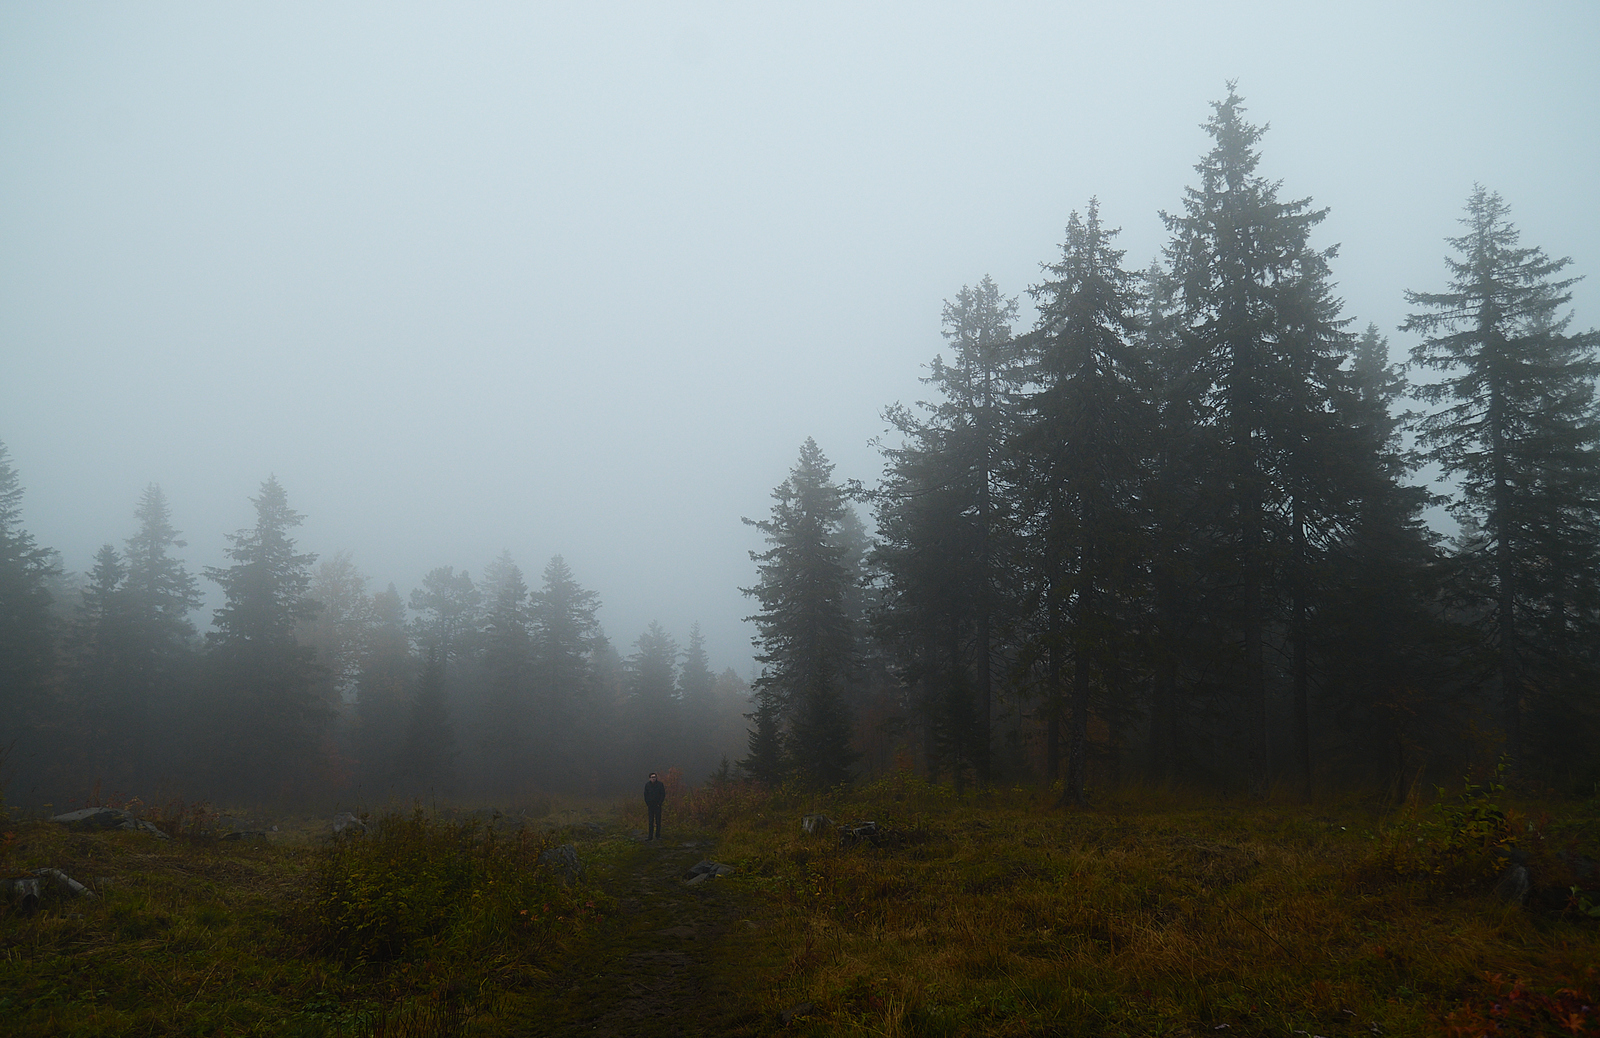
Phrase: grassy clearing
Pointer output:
(429, 926)
(1000, 916)
(994, 915)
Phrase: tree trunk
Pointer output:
(1302, 707)
(1081, 676)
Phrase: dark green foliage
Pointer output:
(566, 641)
(806, 639)
(1082, 434)
(939, 521)
(1521, 431)
(268, 720)
(383, 692)
(765, 763)
(508, 717)
(26, 648)
(652, 702)
(447, 607)
(1263, 343)
(427, 763)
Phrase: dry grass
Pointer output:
(1001, 916)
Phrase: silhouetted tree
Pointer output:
(804, 635)
(1260, 327)
(566, 635)
(508, 713)
(653, 705)
(427, 761)
(26, 649)
(1083, 430)
(133, 649)
(272, 721)
(937, 518)
(1521, 431)
(384, 692)
(697, 707)
(765, 761)
(447, 607)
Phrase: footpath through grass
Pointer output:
(994, 914)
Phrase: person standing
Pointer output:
(655, 793)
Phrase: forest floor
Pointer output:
(991, 913)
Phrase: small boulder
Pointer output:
(100, 819)
(1514, 885)
(788, 1016)
(93, 818)
(345, 822)
(25, 892)
(811, 825)
(563, 860)
(704, 870)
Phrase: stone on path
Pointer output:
(814, 824)
(103, 818)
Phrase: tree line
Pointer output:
(309, 688)
(1177, 524)
(1175, 527)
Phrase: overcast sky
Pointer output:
(579, 278)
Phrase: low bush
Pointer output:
(419, 886)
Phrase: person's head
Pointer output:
(652, 776)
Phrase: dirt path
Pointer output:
(655, 972)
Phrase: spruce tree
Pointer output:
(384, 691)
(272, 721)
(939, 521)
(427, 761)
(1082, 424)
(766, 762)
(1520, 432)
(566, 640)
(805, 640)
(27, 652)
(1263, 341)
(1384, 649)
(448, 612)
(508, 714)
(652, 700)
(102, 650)
(697, 706)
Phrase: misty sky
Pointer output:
(579, 278)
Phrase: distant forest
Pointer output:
(1174, 531)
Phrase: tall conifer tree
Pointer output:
(1520, 430)
(273, 722)
(1263, 340)
(940, 522)
(804, 636)
(1082, 427)
(26, 649)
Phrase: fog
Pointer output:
(580, 278)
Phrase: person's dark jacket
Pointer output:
(655, 791)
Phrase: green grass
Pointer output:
(426, 927)
(1144, 914)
